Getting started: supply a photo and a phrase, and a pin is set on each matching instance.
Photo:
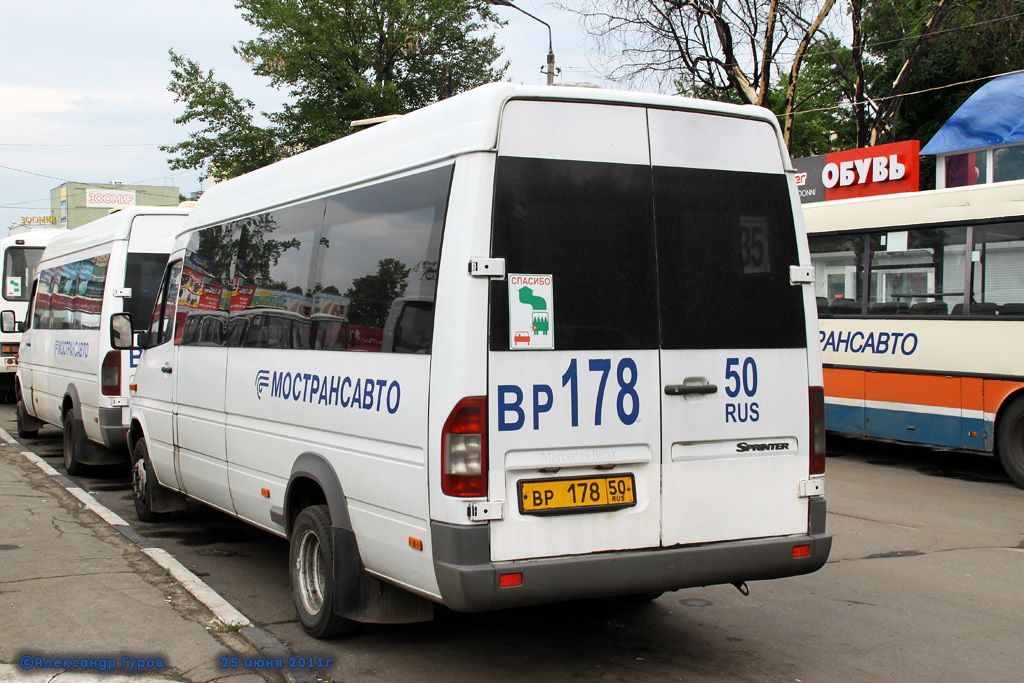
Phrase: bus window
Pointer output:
(917, 272)
(998, 279)
(838, 270)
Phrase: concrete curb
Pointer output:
(224, 612)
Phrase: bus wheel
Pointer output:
(143, 483)
(312, 574)
(20, 420)
(74, 444)
(1010, 441)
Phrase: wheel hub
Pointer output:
(139, 479)
(310, 572)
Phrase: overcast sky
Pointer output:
(83, 88)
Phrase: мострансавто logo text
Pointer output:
(329, 390)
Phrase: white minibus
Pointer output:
(20, 253)
(561, 344)
(69, 376)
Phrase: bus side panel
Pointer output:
(365, 413)
(975, 427)
(917, 408)
(844, 401)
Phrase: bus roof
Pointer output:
(31, 238)
(462, 124)
(115, 226)
(951, 205)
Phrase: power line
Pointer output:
(34, 144)
(908, 94)
(21, 170)
(815, 51)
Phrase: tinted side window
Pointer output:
(42, 309)
(205, 289)
(70, 297)
(272, 289)
(162, 321)
(590, 226)
(379, 252)
(726, 241)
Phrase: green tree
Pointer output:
(926, 57)
(339, 61)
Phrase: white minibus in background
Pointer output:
(522, 346)
(69, 376)
(921, 300)
(20, 253)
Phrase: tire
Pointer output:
(312, 574)
(20, 416)
(143, 483)
(73, 444)
(1010, 441)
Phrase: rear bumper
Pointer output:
(469, 581)
(112, 431)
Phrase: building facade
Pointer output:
(75, 204)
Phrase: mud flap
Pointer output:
(361, 597)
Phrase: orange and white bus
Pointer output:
(921, 311)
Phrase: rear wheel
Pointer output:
(143, 484)
(1010, 441)
(312, 574)
(73, 445)
(20, 416)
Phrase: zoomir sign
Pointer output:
(329, 390)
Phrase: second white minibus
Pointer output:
(522, 346)
(69, 376)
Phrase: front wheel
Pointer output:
(312, 574)
(1010, 441)
(143, 483)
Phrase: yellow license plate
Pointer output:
(571, 494)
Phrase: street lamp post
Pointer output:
(550, 71)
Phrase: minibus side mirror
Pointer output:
(9, 324)
(121, 331)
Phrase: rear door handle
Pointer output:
(167, 368)
(684, 389)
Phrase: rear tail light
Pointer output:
(9, 349)
(110, 374)
(464, 449)
(817, 410)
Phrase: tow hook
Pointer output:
(742, 587)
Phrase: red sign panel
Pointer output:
(868, 171)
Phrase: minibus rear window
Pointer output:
(679, 258)
(591, 227)
(726, 240)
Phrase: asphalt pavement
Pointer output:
(81, 599)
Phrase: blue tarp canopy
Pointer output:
(992, 116)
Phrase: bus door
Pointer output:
(573, 412)
(734, 396)
(667, 402)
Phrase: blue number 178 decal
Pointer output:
(512, 414)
